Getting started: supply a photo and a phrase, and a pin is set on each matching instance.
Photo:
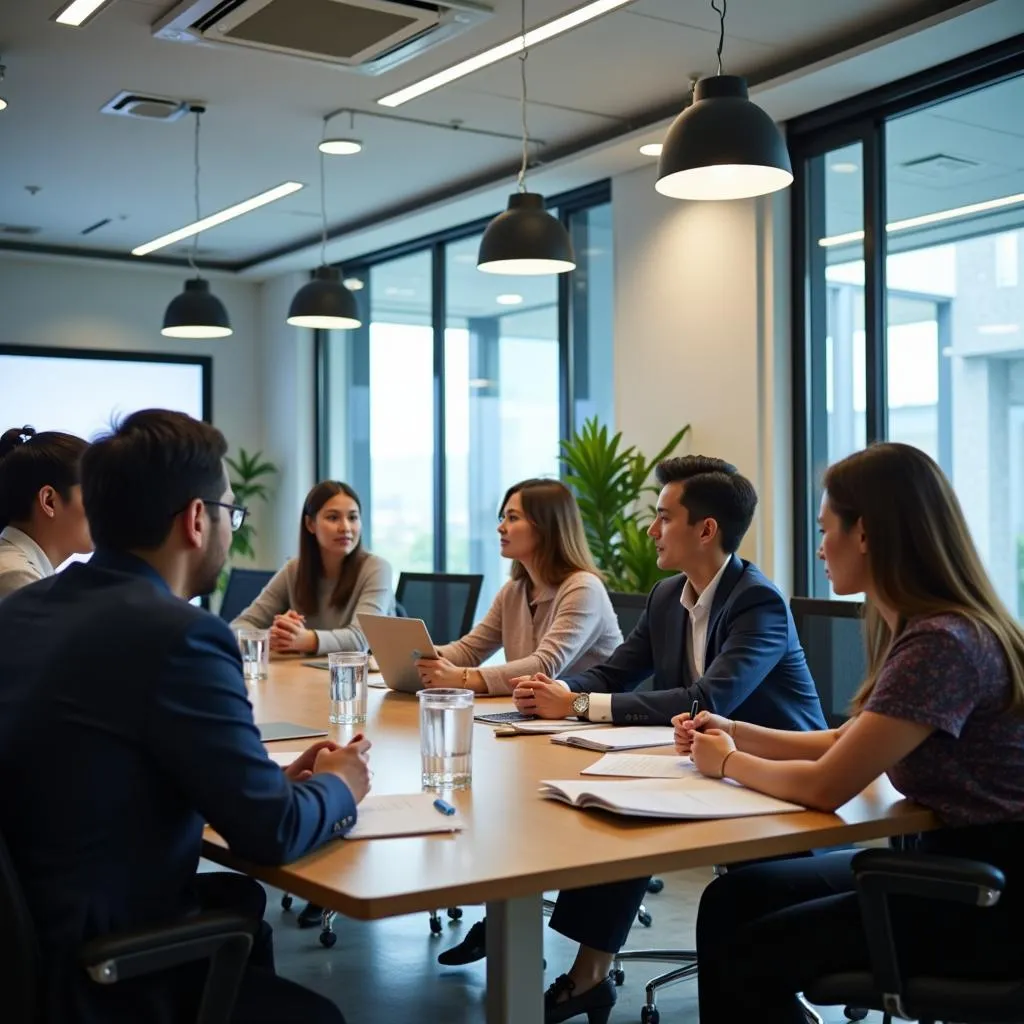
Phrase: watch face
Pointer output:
(581, 703)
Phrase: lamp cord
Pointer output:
(193, 248)
(721, 29)
(323, 203)
(521, 179)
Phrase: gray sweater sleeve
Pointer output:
(273, 600)
(373, 595)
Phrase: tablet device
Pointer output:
(397, 643)
(271, 731)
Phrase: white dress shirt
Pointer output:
(699, 608)
(22, 561)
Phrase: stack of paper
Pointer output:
(410, 814)
(620, 738)
(643, 766)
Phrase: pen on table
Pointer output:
(443, 806)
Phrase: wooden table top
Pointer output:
(515, 843)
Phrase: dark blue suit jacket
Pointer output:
(124, 725)
(754, 666)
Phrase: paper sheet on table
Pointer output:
(643, 766)
(619, 738)
(409, 814)
(284, 757)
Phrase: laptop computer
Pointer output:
(397, 643)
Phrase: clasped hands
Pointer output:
(351, 763)
(540, 695)
(707, 739)
(289, 634)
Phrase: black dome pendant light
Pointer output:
(324, 303)
(196, 312)
(525, 239)
(723, 146)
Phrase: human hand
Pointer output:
(710, 749)
(685, 727)
(539, 695)
(302, 767)
(289, 635)
(438, 672)
(350, 763)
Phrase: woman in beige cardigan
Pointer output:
(553, 616)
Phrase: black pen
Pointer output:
(693, 712)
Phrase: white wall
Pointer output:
(702, 337)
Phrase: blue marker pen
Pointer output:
(443, 806)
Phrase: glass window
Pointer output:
(501, 402)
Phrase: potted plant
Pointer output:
(250, 480)
(611, 482)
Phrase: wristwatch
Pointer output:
(581, 706)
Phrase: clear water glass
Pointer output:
(446, 738)
(348, 687)
(255, 647)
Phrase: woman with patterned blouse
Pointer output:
(941, 713)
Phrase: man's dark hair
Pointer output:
(138, 478)
(713, 489)
(29, 462)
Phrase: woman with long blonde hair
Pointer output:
(941, 712)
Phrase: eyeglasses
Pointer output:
(238, 513)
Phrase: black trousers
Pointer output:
(599, 916)
(765, 931)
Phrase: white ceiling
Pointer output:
(265, 111)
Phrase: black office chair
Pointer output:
(223, 939)
(882, 874)
(244, 586)
(446, 602)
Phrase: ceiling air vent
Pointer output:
(370, 36)
(147, 108)
(940, 166)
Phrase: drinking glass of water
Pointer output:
(348, 687)
(255, 647)
(446, 738)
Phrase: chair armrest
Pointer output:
(222, 938)
(881, 874)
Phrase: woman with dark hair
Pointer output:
(553, 616)
(941, 712)
(310, 606)
(42, 520)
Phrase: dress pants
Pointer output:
(765, 931)
(599, 916)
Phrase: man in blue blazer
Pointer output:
(719, 633)
(125, 724)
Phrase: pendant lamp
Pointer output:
(525, 239)
(722, 146)
(324, 303)
(196, 312)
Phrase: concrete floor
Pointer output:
(386, 970)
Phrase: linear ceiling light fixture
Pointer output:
(78, 12)
(196, 312)
(938, 217)
(324, 303)
(722, 146)
(502, 51)
(525, 239)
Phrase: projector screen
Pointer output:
(84, 391)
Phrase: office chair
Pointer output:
(446, 602)
(223, 939)
(244, 586)
(882, 874)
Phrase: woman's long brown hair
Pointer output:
(311, 566)
(921, 556)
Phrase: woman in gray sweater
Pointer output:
(310, 606)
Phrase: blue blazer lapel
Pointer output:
(731, 576)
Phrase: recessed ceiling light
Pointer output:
(511, 299)
(246, 206)
(998, 328)
(651, 149)
(400, 293)
(3, 103)
(353, 284)
(844, 167)
(507, 49)
(78, 12)
(340, 147)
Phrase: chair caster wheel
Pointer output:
(435, 926)
(286, 902)
(618, 976)
(650, 1015)
(655, 885)
(645, 919)
(328, 939)
(455, 913)
(854, 1012)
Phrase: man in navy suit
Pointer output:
(125, 724)
(719, 633)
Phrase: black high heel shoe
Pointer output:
(596, 1002)
(472, 948)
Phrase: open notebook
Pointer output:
(618, 738)
(692, 797)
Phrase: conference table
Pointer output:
(515, 845)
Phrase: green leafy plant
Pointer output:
(611, 482)
(250, 480)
